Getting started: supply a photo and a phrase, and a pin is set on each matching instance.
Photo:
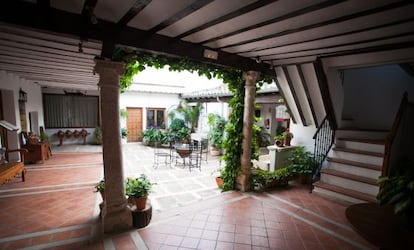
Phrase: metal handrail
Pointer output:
(324, 139)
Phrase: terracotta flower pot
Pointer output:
(141, 203)
(219, 181)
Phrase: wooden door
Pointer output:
(134, 124)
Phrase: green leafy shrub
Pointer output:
(138, 187)
(300, 161)
(263, 179)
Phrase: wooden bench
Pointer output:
(10, 169)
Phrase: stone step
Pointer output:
(357, 155)
(361, 184)
(377, 146)
(355, 168)
(357, 133)
(342, 194)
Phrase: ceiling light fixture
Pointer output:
(210, 54)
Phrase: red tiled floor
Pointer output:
(57, 203)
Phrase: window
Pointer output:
(70, 111)
(155, 118)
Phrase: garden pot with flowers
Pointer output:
(138, 189)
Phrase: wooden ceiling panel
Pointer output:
(73, 6)
(352, 38)
(106, 10)
(362, 23)
(266, 36)
(383, 44)
(198, 18)
(156, 12)
(252, 18)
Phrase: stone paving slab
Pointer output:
(176, 185)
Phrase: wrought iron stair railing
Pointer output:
(324, 138)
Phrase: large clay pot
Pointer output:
(219, 181)
(140, 203)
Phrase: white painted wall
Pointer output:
(144, 100)
(12, 82)
(302, 136)
(372, 95)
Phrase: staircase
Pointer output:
(353, 166)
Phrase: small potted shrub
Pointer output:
(100, 187)
(300, 163)
(279, 140)
(138, 189)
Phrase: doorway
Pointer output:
(134, 124)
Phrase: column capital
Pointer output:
(102, 65)
(251, 77)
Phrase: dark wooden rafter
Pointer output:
(324, 88)
(320, 24)
(295, 96)
(24, 13)
(308, 96)
(385, 47)
(276, 56)
(353, 32)
(181, 14)
(229, 16)
(138, 6)
(274, 20)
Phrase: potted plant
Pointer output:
(217, 126)
(138, 189)
(100, 187)
(279, 140)
(217, 175)
(300, 163)
(398, 191)
(287, 137)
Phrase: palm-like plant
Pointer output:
(190, 113)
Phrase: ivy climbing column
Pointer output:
(116, 215)
(243, 181)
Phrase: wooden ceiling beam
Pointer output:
(229, 16)
(320, 24)
(138, 6)
(299, 12)
(181, 14)
(23, 13)
(268, 50)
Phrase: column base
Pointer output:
(116, 218)
(243, 183)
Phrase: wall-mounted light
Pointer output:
(22, 96)
(211, 54)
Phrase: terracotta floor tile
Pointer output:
(260, 241)
(242, 247)
(241, 229)
(243, 238)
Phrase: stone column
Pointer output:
(243, 181)
(116, 215)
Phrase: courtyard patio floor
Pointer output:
(57, 208)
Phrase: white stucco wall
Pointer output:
(144, 100)
(372, 95)
(12, 82)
